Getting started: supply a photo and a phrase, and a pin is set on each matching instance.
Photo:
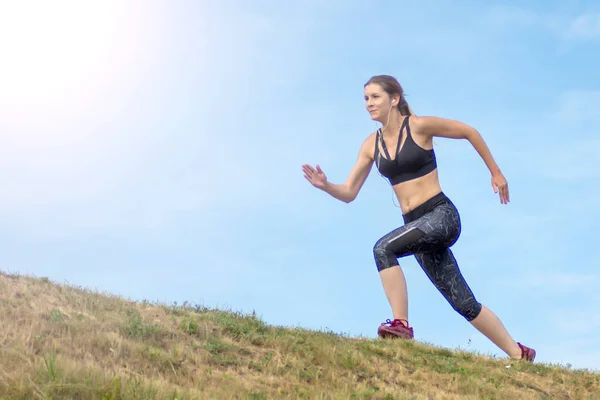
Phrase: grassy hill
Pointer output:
(63, 342)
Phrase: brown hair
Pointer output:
(391, 86)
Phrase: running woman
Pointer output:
(431, 221)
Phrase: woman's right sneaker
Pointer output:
(527, 353)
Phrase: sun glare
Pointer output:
(58, 56)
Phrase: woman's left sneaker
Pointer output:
(397, 328)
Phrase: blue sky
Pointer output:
(155, 152)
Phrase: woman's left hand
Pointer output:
(500, 185)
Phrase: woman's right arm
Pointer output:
(347, 191)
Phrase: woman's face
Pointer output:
(378, 103)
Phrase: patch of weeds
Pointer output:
(199, 309)
(113, 390)
(303, 393)
(51, 369)
(306, 351)
(165, 361)
(174, 309)
(267, 359)
(371, 349)
(56, 316)
(255, 366)
(365, 394)
(222, 354)
(216, 346)
(349, 361)
(138, 390)
(443, 353)
(224, 360)
(309, 374)
(528, 385)
(363, 374)
(190, 326)
(262, 365)
(450, 367)
(537, 369)
(588, 383)
(256, 396)
(152, 354)
(240, 327)
(284, 370)
(136, 328)
(257, 340)
(495, 382)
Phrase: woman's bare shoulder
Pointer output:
(368, 146)
(369, 141)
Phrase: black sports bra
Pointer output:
(410, 163)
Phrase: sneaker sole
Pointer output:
(386, 334)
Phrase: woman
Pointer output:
(432, 222)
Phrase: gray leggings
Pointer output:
(429, 232)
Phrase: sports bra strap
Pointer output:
(404, 125)
(380, 136)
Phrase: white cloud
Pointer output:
(559, 281)
(579, 106)
(144, 162)
(578, 353)
(570, 145)
(561, 144)
(72, 129)
(585, 26)
(61, 59)
(504, 16)
(578, 322)
(574, 160)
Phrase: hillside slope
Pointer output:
(64, 342)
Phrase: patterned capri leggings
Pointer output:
(429, 232)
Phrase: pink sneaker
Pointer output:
(527, 353)
(395, 329)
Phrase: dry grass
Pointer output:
(61, 342)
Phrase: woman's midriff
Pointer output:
(413, 193)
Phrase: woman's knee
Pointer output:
(384, 256)
(398, 243)
(461, 298)
(469, 309)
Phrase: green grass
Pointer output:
(62, 342)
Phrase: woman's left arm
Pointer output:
(448, 128)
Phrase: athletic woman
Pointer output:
(403, 153)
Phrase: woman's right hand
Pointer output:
(316, 177)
